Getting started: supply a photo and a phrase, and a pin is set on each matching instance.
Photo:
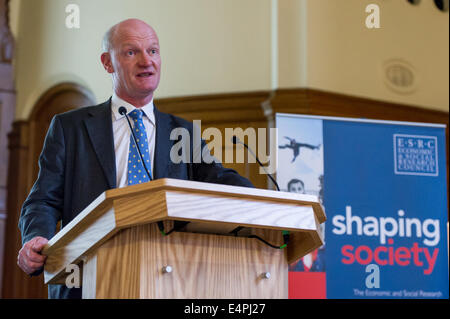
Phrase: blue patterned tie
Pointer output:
(136, 171)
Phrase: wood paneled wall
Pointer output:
(25, 144)
(245, 110)
(234, 110)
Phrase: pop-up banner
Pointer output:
(383, 186)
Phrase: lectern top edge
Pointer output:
(106, 198)
(220, 189)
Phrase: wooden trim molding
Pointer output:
(317, 102)
(70, 92)
(217, 108)
(262, 105)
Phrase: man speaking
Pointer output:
(90, 150)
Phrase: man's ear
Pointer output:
(107, 62)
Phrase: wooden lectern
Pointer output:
(123, 254)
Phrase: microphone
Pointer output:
(236, 140)
(286, 234)
(123, 111)
(177, 224)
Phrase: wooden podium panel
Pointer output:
(123, 253)
(131, 265)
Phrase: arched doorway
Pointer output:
(25, 145)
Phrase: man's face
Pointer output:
(134, 61)
(296, 188)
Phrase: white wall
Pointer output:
(344, 56)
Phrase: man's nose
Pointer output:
(145, 59)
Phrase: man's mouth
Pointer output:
(144, 74)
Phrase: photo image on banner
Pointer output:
(300, 154)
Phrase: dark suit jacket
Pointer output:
(77, 164)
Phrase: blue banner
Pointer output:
(384, 189)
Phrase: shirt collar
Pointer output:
(117, 102)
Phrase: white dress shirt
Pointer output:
(122, 135)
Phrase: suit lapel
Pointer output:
(99, 123)
(99, 128)
(162, 145)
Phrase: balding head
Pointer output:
(108, 38)
(132, 57)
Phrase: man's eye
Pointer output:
(130, 52)
(154, 51)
